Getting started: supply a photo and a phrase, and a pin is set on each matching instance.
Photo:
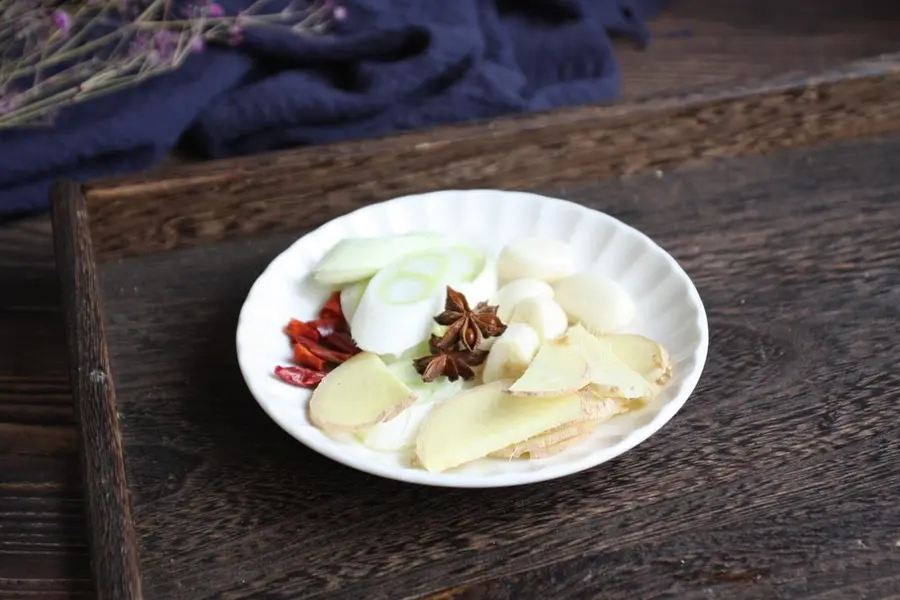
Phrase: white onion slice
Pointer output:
(350, 297)
(398, 307)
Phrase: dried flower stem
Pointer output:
(52, 55)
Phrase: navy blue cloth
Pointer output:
(391, 65)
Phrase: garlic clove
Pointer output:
(596, 301)
(543, 315)
(511, 353)
(508, 296)
(536, 257)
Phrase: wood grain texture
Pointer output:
(748, 79)
(43, 549)
(112, 538)
(203, 204)
(701, 44)
(777, 480)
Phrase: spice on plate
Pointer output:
(332, 307)
(469, 327)
(340, 341)
(297, 330)
(305, 358)
(455, 353)
(318, 345)
(448, 362)
(300, 376)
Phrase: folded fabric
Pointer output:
(391, 65)
(122, 132)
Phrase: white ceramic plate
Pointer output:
(669, 310)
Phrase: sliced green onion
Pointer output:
(355, 259)
(397, 309)
(350, 297)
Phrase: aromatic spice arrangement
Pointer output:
(433, 346)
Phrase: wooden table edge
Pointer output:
(561, 147)
(111, 533)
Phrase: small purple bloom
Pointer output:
(215, 10)
(165, 43)
(235, 35)
(339, 13)
(197, 44)
(139, 44)
(62, 20)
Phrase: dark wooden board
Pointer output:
(199, 204)
(703, 44)
(43, 539)
(102, 458)
(777, 480)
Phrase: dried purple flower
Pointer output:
(139, 44)
(165, 43)
(7, 105)
(235, 36)
(147, 39)
(62, 20)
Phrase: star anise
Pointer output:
(465, 325)
(448, 362)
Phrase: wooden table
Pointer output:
(823, 524)
(43, 543)
(820, 521)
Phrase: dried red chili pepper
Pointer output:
(297, 330)
(313, 358)
(327, 354)
(340, 341)
(332, 307)
(300, 376)
(305, 358)
(330, 325)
